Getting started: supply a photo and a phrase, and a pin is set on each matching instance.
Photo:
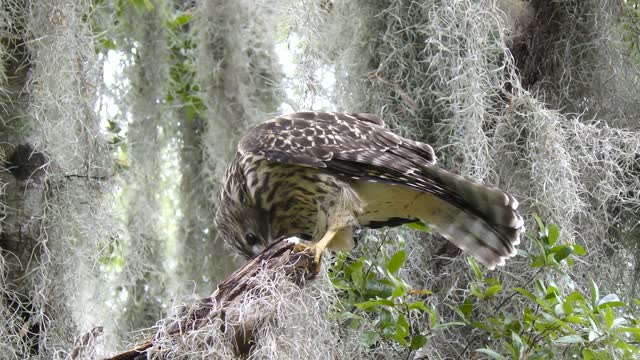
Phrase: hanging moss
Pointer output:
(238, 78)
(576, 54)
(57, 174)
(144, 281)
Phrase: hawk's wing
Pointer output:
(355, 145)
(352, 144)
(358, 146)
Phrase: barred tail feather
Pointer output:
(481, 220)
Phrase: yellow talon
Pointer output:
(322, 244)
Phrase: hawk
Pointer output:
(321, 175)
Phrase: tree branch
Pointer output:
(295, 261)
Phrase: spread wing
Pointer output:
(356, 145)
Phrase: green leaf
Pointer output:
(541, 226)
(368, 338)
(617, 322)
(395, 263)
(514, 353)
(588, 354)
(575, 319)
(517, 344)
(401, 331)
(552, 292)
(627, 348)
(142, 5)
(476, 269)
(630, 330)
(400, 340)
(528, 316)
(492, 291)
(467, 307)
(419, 226)
(398, 291)
(385, 316)
(576, 297)
(418, 341)
(402, 328)
(551, 260)
(475, 291)
(491, 353)
(539, 261)
(579, 250)
(561, 252)
(567, 307)
(373, 303)
(595, 294)
(418, 305)
(526, 293)
(449, 324)
(182, 19)
(552, 234)
(591, 316)
(613, 304)
(611, 300)
(608, 318)
(107, 43)
(570, 339)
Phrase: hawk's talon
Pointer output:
(300, 248)
(318, 258)
(320, 246)
(317, 255)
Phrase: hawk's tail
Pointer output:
(481, 220)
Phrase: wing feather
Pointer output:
(312, 138)
(357, 145)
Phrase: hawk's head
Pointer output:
(242, 227)
(238, 220)
(248, 219)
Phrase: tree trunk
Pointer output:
(55, 171)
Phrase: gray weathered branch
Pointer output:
(282, 257)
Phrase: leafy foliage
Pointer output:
(560, 319)
(373, 294)
(183, 90)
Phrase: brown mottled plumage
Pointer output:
(319, 175)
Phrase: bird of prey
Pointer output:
(321, 175)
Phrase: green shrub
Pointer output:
(559, 318)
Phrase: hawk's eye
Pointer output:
(251, 239)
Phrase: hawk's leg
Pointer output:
(323, 243)
(335, 239)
